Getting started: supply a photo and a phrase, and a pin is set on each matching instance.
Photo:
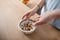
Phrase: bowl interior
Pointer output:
(25, 21)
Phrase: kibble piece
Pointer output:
(27, 26)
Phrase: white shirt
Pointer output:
(52, 5)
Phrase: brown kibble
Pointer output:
(27, 26)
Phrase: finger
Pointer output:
(26, 14)
(23, 16)
(36, 23)
(29, 15)
(26, 17)
(40, 22)
(37, 18)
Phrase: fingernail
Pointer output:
(33, 24)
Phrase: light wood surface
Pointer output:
(11, 12)
(32, 3)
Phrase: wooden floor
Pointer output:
(11, 12)
(46, 32)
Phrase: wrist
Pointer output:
(56, 13)
(36, 8)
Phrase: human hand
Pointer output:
(44, 18)
(28, 14)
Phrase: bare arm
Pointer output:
(31, 12)
(57, 12)
(39, 5)
(48, 16)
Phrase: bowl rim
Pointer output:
(25, 20)
(27, 31)
(34, 27)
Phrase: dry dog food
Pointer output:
(27, 26)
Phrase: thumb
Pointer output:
(39, 22)
(36, 23)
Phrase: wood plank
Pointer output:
(10, 12)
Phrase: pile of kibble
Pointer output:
(27, 26)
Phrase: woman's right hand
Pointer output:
(28, 14)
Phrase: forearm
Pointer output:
(52, 14)
(47, 16)
(57, 12)
(39, 5)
